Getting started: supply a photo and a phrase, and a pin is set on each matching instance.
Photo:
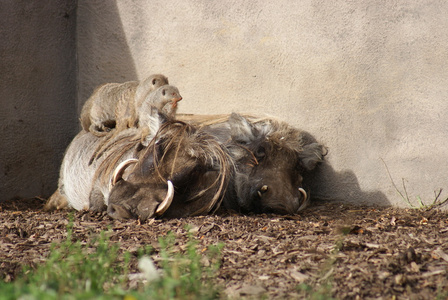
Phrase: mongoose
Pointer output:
(115, 105)
(163, 100)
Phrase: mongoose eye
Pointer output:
(163, 92)
(154, 81)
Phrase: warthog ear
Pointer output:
(241, 130)
(311, 155)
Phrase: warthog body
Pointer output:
(179, 155)
(78, 179)
(271, 159)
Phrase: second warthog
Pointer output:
(271, 158)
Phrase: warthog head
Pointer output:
(271, 158)
(182, 172)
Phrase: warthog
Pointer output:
(271, 159)
(182, 172)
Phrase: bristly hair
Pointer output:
(201, 146)
(172, 135)
(114, 150)
(279, 133)
(126, 139)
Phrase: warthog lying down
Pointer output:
(182, 172)
(271, 159)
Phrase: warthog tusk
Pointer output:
(305, 200)
(262, 190)
(119, 170)
(304, 204)
(167, 201)
(305, 196)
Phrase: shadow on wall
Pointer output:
(327, 184)
(37, 92)
(103, 52)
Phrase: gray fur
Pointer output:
(194, 161)
(271, 158)
(115, 105)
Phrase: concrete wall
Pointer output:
(367, 78)
(37, 94)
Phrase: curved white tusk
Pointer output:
(305, 200)
(305, 196)
(119, 170)
(167, 201)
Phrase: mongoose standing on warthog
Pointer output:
(164, 99)
(115, 105)
(160, 99)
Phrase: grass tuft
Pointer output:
(184, 275)
(97, 270)
(437, 202)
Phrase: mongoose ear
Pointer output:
(241, 130)
(311, 155)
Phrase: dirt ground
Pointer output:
(344, 251)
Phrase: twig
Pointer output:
(406, 193)
(395, 186)
(436, 202)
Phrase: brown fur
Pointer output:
(163, 100)
(56, 201)
(194, 161)
(150, 110)
(196, 164)
(115, 105)
(271, 157)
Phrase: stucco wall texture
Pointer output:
(37, 94)
(367, 78)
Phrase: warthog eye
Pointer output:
(242, 142)
(260, 153)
